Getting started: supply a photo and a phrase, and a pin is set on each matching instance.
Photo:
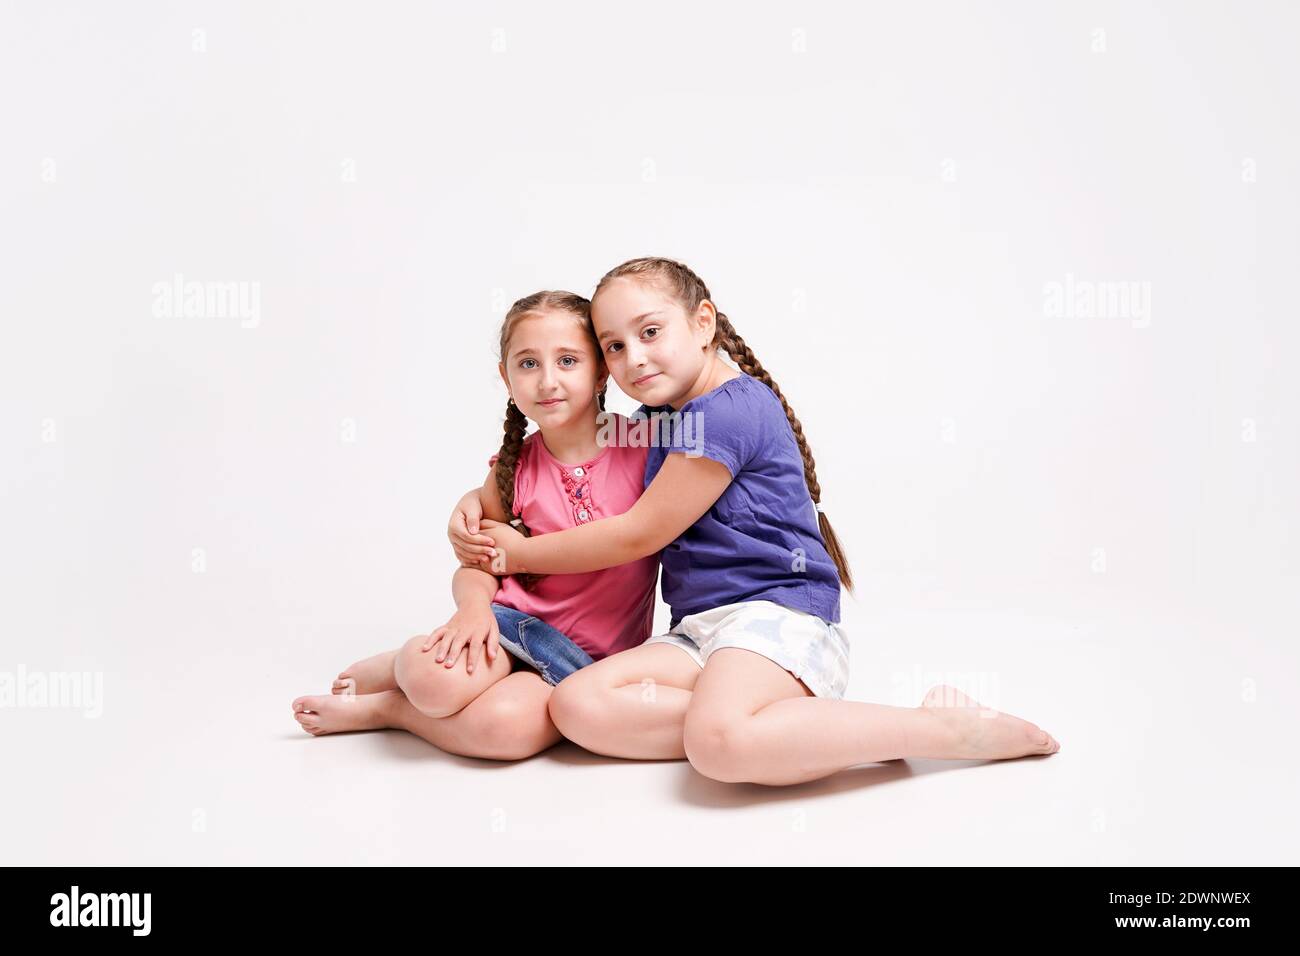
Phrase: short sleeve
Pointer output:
(727, 427)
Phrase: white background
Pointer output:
(1086, 521)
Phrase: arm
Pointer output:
(474, 624)
(470, 586)
(685, 488)
(472, 548)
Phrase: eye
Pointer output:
(524, 363)
(613, 346)
(571, 359)
(650, 329)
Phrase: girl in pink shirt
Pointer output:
(562, 476)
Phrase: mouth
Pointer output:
(643, 379)
(550, 402)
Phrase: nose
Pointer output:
(548, 378)
(634, 355)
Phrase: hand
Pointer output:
(473, 550)
(508, 546)
(472, 627)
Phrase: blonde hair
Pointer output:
(516, 423)
(689, 291)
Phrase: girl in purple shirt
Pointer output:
(748, 682)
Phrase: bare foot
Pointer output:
(983, 733)
(945, 695)
(334, 713)
(370, 676)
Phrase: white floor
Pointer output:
(1176, 749)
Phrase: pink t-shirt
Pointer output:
(603, 612)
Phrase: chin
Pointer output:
(650, 389)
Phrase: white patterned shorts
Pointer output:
(809, 648)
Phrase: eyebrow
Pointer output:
(643, 315)
(559, 348)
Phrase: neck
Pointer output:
(573, 443)
(714, 373)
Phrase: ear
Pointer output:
(501, 367)
(706, 321)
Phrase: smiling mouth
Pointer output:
(644, 379)
(551, 401)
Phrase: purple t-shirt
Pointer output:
(760, 540)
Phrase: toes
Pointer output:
(309, 723)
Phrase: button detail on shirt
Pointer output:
(583, 514)
(579, 472)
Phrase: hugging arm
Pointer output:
(683, 490)
(472, 548)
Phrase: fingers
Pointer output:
(446, 643)
(464, 530)
(475, 645)
(473, 515)
(433, 638)
(480, 545)
(455, 642)
(474, 560)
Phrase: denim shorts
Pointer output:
(539, 645)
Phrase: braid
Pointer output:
(507, 462)
(729, 340)
(690, 290)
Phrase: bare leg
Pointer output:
(368, 676)
(630, 705)
(752, 721)
(508, 721)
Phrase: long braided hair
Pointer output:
(689, 290)
(516, 424)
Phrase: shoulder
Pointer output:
(526, 452)
(741, 402)
(727, 424)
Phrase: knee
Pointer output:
(575, 706)
(506, 728)
(431, 688)
(717, 746)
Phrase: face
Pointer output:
(552, 370)
(653, 348)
